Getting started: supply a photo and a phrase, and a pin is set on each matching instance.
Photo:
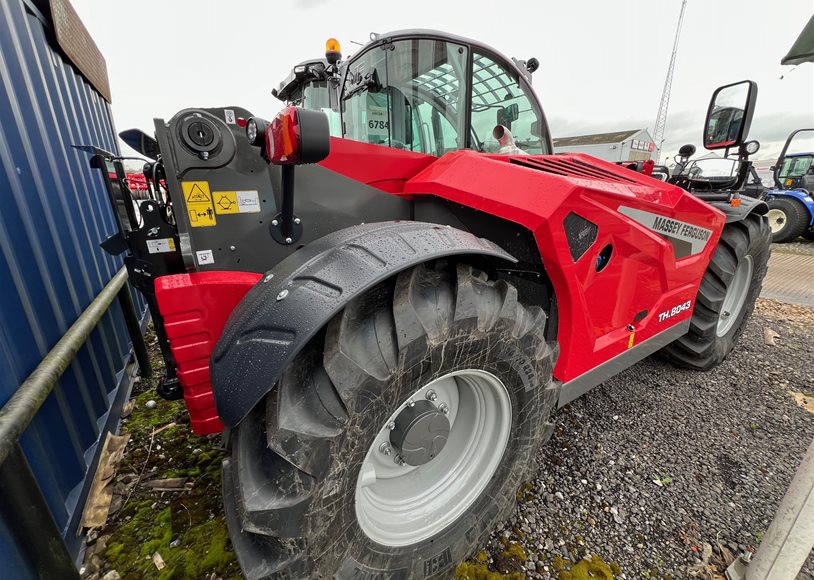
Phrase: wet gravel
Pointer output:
(723, 446)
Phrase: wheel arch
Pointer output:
(295, 300)
(800, 195)
(748, 206)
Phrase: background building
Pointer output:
(631, 145)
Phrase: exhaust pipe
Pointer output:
(506, 141)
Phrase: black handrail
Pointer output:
(21, 500)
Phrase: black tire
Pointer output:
(795, 216)
(702, 348)
(290, 483)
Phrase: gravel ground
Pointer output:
(723, 445)
(800, 246)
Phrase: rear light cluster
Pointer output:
(283, 143)
(295, 136)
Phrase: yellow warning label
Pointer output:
(630, 340)
(226, 202)
(199, 203)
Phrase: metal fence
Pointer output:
(53, 213)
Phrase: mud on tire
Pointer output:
(712, 334)
(290, 482)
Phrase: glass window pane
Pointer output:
(498, 98)
(417, 102)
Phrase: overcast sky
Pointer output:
(602, 62)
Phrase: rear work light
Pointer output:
(297, 136)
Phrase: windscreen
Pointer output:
(797, 166)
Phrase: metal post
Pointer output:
(35, 530)
(134, 329)
(790, 537)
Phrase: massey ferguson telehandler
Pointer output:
(383, 294)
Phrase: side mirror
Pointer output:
(730, 115)
(141, 142)
(505, 115)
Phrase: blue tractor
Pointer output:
(791, 205)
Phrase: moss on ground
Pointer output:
(186, 527)
(480, 571)
(593, 569)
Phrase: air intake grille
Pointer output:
(569, 168)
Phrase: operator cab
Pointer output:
(427, 92)
(797, 172)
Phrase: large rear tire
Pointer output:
(727, 295)
(397, 439)
(788, 219)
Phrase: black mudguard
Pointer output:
(298, 297)
(747, 206)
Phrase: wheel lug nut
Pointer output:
(431, 396)
(391, 425)
(444, 408)
(411, 403)
(385, 448)
(399, 460)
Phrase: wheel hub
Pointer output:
(433, 457)
(420, 434)
(777, 219)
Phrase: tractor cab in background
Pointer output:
(791, 202)
(424, 92)
(796, 172)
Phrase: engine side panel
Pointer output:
(662, 239)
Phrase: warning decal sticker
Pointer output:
(199, 203)
(205, 257)
(236, 201)
(161, 246)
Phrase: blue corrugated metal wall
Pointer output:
(53, 213)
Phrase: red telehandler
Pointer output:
(384, 338)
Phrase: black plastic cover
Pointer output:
(315, 136)
(581, 234)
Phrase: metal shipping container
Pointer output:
(53, 213)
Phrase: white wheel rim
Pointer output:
(777, 219)
(735, 296)
(402, 505)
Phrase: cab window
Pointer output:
(796, 166)
(498, 98)
(407, 94)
